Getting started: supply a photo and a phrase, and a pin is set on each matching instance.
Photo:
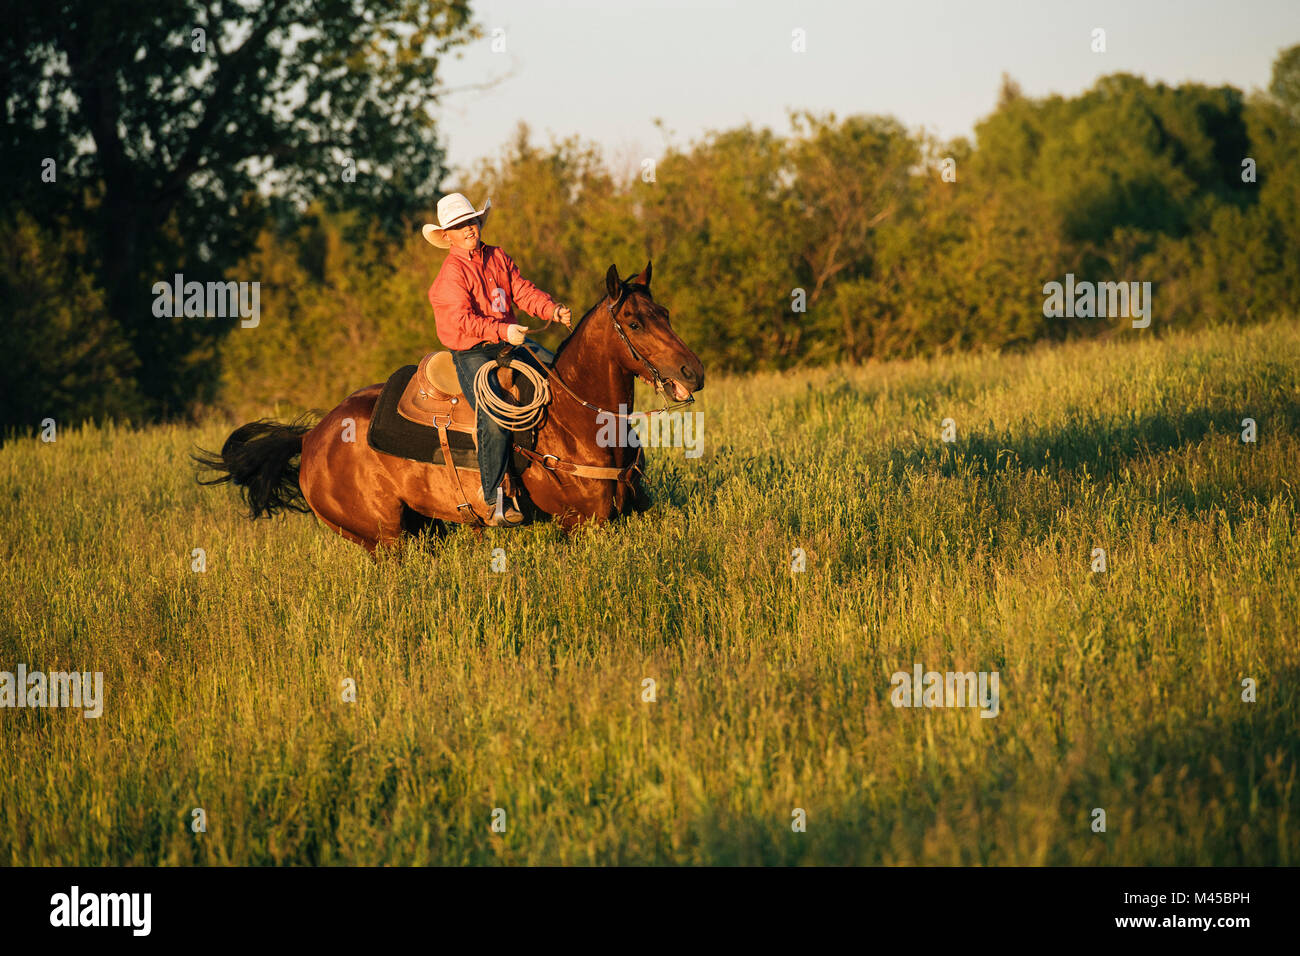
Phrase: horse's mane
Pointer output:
(627, 289)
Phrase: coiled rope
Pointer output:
(501, 409)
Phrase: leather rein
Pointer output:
(620, 475)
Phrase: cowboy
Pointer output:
(473, 298)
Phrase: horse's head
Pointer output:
(653, 351)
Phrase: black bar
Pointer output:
(654, 905)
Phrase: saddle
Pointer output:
(433, 394)
(423, 415)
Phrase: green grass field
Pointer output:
(522, 690)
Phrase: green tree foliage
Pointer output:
(335, 315)
(193, 121)
(1129, 181)
(64, 358)
(1285, 84)
(847, 239)
(721, 238)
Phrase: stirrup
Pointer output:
(501, 518)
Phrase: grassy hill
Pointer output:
(475, 689)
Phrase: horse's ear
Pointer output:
(644, 277)
(613, 284)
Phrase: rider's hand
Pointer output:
(564, 316)
(515, 334)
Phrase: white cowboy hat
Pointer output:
(453, 209)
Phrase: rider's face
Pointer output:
(465, 236)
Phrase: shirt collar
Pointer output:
(476, 256)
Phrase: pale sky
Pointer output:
(605, 69)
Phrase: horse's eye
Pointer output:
(634, 326)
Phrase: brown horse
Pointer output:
(373, 499)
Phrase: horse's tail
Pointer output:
(258, 458)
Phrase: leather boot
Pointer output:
(505, 511)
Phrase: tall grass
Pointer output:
(523, 690)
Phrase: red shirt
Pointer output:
(474, 295)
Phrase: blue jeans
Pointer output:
(494, 442)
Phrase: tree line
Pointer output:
(847, 239)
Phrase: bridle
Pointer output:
(632, 349)
(622, 476)
(657, 379)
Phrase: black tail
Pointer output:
(259, 459)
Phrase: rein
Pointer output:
(621, 475)
(636, 355)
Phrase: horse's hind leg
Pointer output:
(344, 481)
(412, 524)
(368, 543)
(387, 527)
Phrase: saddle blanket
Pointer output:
(392, 434)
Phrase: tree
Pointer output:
(192, 121)
(721, 217)
(1285, 85)
(63, 356)
(559, 214)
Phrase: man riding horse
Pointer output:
(473, 301)
(376, 498)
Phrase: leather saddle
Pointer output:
(433, 396)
